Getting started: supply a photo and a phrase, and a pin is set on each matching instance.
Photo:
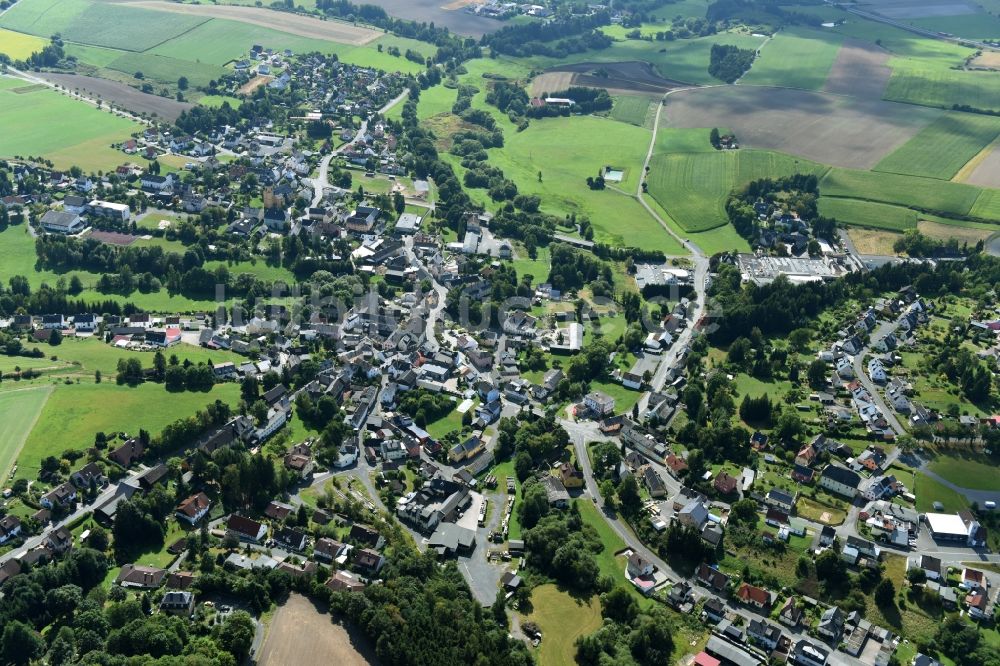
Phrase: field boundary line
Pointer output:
(969, 167)
(181, 34)
(24, 438)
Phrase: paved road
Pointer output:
(322, 181)
(861, 374)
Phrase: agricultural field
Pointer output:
(983, 169)
(42, 122)
(692, 188)
(868, 214)
(301, 632)
(674, 140)
(825, 128)
(633, 110)
(120, 95)
(795, 57)
(976, 473)
(859, 70)
(69, 419)
(19, 410)
(922, 193)
(941, 149)
(19, 45)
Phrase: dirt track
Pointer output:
(120, 95)
(860, 70)
(831, 129)
(296, 24)
(304, 635)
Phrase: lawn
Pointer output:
(972, 473)
(75, 412)
(796, 57)
(929, 491)
(868, 213)
(693, 187)
(819, 512)
(625, 398)
(683, 140)
(538, 268)
(45, 123)
(632, 109)
(550, 147)
(90, 354)
(928, 194)
(18, 411)
(942, 148)
(448, 423)
(562, 619)
(215, 101)
(19, 45)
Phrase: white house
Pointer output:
(845, 369)
(194, 508)
(876, 371)
(599, 403)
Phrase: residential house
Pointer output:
(327, 550)
(570, 476)
(840, 480)
(763, 634)
(638, 566)
(807, 653)
(725, 484)
(599, 404)
(790, 614)
(831, 623)
(780, 499)
(140, 577)
(556, 492)
(291, 538)
(344, 581)
(712, 578)
(755, 596)
(365, 535)
(62, 494)
(194, 508)
(653, 482)
(177, 602)
(89, 474)
(10, 527)
(368, 560)
(245, 529)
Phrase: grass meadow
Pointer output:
(18, 411)
(923, 193)
(69, 418)
(632, 109)
(45, 123)
(942, 148)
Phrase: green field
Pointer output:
(549, 146)
(987, 205)
(693, 188)
(975, 474)
(941, 87)
(75, 412)
(942, 148)
(165, 69)
(868, 213)
(677, 140)
(562, 619)
(46, 123)
(795, 57)
(922, 193)
(929, 491)
(632, 109)
(18, 411)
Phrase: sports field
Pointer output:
(42, 122)
(19, 409)
(18, 45)
(942, 148)
(693, 187)
(795, 57)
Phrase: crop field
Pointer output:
(19, 409)
(963, 232)
(69, 419)
(302, 632)
(860, 70)
(923, 193)
(67, 131)
(817, 126)
(983, 169)
(121, 95)
(987, 205)
(674, 140)
(941, 87)
(633, 110)
(795, 57)
(18, 45)
(942, 148)
(692, 188)
(873, 241)
(868, 213)
(163, 68)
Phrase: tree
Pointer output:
(20, 644)
(652, 642)
(619, 605)
(97, 376)
(885, 593)
(816, 374)
(743, 512)
(237, 634)
(713, 138)
(55, 339)
(75, 285)
(534, 505)
(182, 83)
(159, 365)
(628, 495)
(522, 466)
(499, 609)
(830, 568)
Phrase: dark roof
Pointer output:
(841, 475)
